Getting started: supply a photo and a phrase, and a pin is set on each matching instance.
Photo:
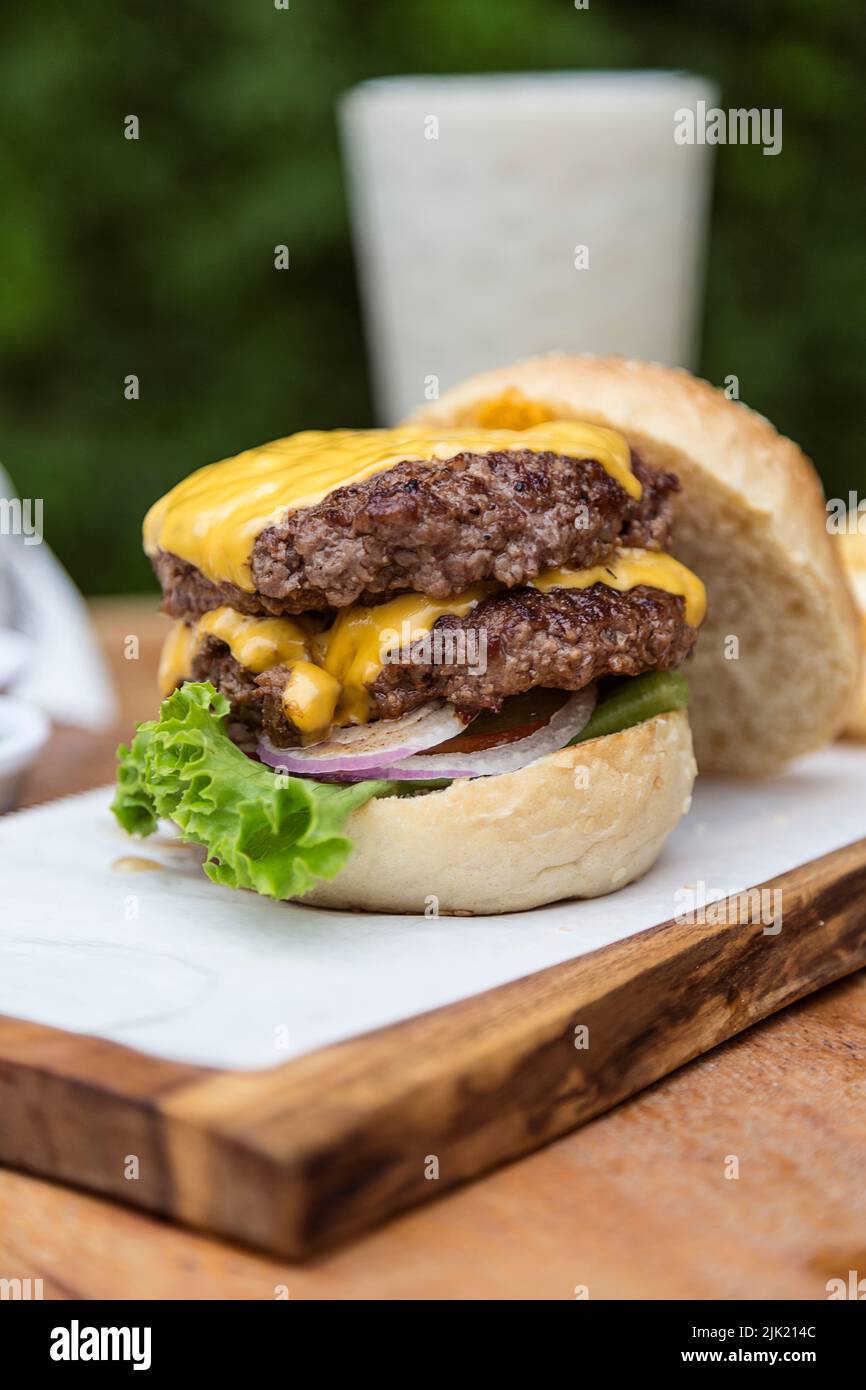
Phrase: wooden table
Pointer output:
(635, 1205)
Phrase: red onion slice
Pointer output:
(565, 725)
(364, 749)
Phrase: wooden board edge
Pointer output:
(83, 1111)
(305, 1155)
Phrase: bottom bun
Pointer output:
(576, 824)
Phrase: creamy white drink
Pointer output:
(499, 216)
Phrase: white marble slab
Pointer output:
(166, 962)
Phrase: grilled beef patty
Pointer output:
(436, 529)
(563, 639)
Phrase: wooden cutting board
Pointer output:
(300, 1156)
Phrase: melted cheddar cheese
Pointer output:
(330, 672)
(310, 698)
(257, 643)
(628, 570)
(175, 661)
(213, 518)
(511, 411)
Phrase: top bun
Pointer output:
(777, 663)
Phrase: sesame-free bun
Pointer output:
(776, 665)
(852, 548)
(575, 824)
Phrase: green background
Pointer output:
(156, 256)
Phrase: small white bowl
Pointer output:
(14, 651)
(24, 731)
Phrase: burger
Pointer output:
(446, 667)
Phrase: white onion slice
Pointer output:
(360, 747)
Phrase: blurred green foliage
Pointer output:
(155, 257)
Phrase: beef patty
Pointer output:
(436, 529)
(563, 639)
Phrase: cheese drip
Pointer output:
(177, 656)
(330, 672)
(256, 643)
(310, 698)
(213, 518)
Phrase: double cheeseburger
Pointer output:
(440, 667)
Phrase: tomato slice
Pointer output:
(476, 743)
(520, 716)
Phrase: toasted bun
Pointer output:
(777, 662)
(575, 824)
(853, 551)
(855, 724)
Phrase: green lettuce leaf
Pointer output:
(263, 830)
(637, 699)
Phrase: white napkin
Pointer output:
(64, 673)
